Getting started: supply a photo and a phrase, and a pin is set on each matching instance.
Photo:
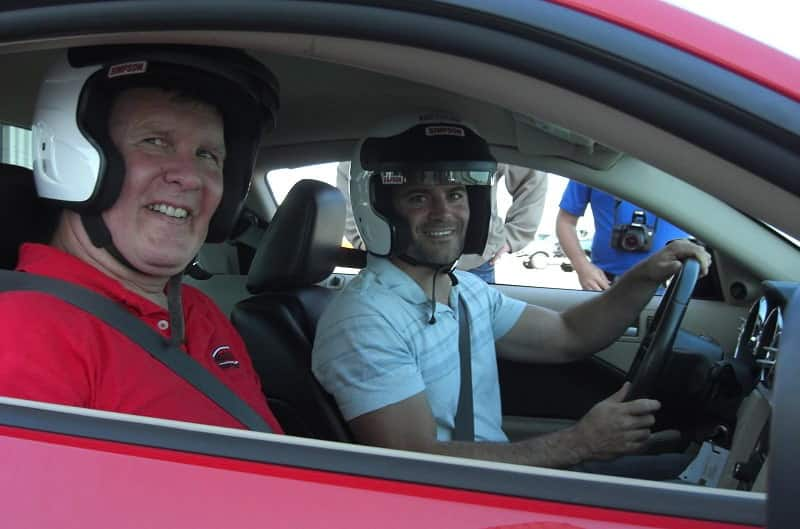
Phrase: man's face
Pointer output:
(437, 217)
(173, 151)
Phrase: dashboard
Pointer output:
(759, 337)
(758, 348)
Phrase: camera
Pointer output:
(634, 237)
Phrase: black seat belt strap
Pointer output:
(464, 427)
(138, 332)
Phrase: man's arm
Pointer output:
(589, 275)
(611, 428)
(528, 189)
(542, 335)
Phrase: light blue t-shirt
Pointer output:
(374, 347)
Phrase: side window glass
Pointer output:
(280, 181)
(586, 238)
(15, 146)
(536, 258)
(599, 236)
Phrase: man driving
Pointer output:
(387, 348)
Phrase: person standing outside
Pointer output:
(624, 234)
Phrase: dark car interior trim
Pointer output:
(784, 466)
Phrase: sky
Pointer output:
(773, 22)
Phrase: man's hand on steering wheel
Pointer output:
(665, 263)
(613, 427)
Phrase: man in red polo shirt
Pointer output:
(150, 152)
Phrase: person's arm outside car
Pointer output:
(528, 190)
(590, 276)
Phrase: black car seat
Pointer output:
(298, 250)
(23, 215)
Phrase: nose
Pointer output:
(439, 206)
(183, 170)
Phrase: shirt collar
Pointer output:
(395, 279)
(51, 262)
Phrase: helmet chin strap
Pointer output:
(437, 269)
(100, 236)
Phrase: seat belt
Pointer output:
(464, 422)
(141, 334)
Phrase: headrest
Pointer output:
(24, 217)
(303, 240)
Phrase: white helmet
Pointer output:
(77, 164)
(430, 148)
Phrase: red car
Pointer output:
(639, 98)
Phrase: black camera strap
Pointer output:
(114, 315)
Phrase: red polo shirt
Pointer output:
(54, 352)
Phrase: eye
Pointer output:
(416, 199)
(458, 195)
(202, 153)
(211, 155)
(157, 141)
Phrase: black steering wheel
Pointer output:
(656, 347)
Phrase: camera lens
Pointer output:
(632, 241)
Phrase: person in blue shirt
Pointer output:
(624, 234)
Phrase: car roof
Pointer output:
(702, 37)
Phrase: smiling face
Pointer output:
(437, 217)
(174, 151)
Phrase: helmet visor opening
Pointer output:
(437, 177)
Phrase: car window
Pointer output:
(280, 181)
(624, 233)
(15, 146)
(538, 262)
(541, 262)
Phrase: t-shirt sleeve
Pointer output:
(506, 311)
(575, 198)
(39, 360)
(364, 362)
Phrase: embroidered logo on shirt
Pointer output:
(224, 358)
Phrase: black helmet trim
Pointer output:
(240, 87)
(439, 146)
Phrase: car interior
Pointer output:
(276, 275)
